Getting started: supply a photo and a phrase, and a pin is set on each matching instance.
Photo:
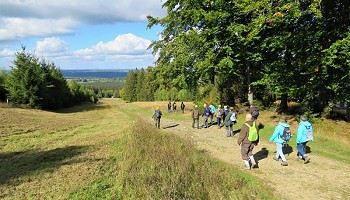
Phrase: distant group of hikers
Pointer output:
(249, 133)
(173, 105)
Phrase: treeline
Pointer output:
(141, 85)
(226, 50)
(104, 88)
(35, 83)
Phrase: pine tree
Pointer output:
(129, 90)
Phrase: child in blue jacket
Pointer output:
(277, 138)
(304, 135)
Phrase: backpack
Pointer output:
(253, 133)
(287, 134)
(221, 113)
(233, 117)
(255, 113)
(309, 134)
(157, 114)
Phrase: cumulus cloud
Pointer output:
(20, 19)
(127, 44)
(19, 28)
(47, 20)
(7, 53)
(51, 45)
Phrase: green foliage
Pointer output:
(129, 90)
(289, 50)
(104, 88)
(185, 95)
(37, 84)
(3, 92)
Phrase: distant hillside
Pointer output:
(95, 73)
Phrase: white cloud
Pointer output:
(18, 28)
(21, 19)
(7, 53)
(51, 45)
(127, 44)
(26, 21)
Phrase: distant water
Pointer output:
(93, 74)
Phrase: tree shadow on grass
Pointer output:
(82, 108)
(17, 164)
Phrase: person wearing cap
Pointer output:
(195, 116)
(156, 116)
(219, 113)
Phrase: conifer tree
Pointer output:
(129, 91)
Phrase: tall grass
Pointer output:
(150, 164)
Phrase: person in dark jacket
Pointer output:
(182, 107)
(247, 146)
(254, 111)
(195, 116)
(169, 107)
(206, 114)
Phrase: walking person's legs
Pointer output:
(302, 153)
(205, 121)
(280, 154)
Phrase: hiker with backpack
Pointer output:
(219, 113)
(254, 111)
(229, 121)
(156, 117)
(182, 107)
(305, 134)
(281, 136)
(248, 138)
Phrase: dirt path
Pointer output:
(322, 178)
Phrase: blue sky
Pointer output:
(80, 34)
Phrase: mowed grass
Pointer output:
(105, 152)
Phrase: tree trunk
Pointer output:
(348, 111)
(284, 102)
(250, 89)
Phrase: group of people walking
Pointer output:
(249, 133)
(173, 105)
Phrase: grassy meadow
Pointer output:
(107, 151)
